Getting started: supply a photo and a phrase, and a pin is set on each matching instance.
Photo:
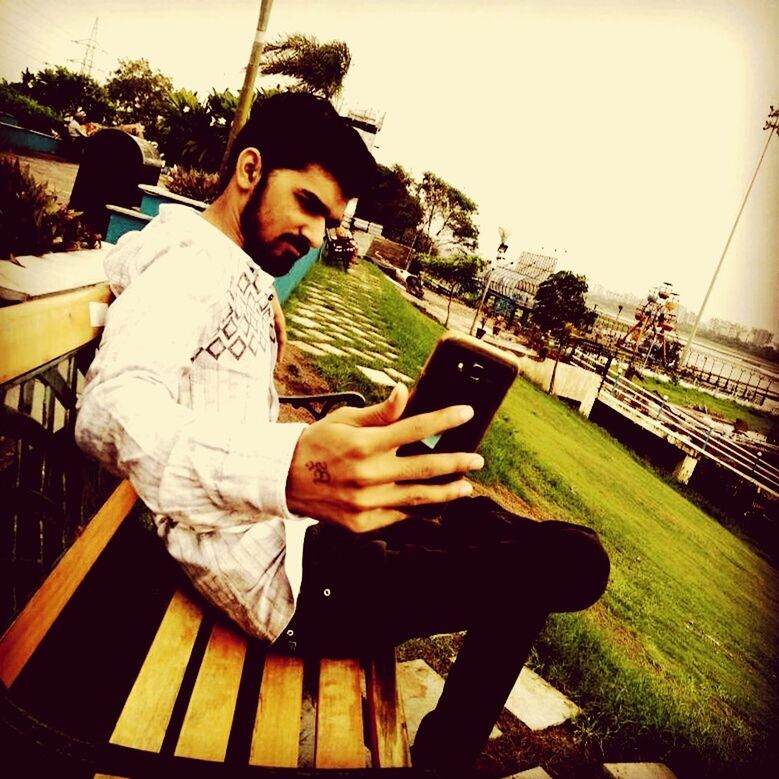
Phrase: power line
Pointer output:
(28, 6)
(30, 39)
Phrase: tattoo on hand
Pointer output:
(321, 475)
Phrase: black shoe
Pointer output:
(439, 746)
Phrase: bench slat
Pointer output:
(339, 730)
(387, 730)
(30, 627)
(209, 718)
(146, 714)
(277, 728)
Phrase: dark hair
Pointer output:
(296, 129)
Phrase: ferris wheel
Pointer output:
(655, 322)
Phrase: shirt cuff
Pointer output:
(256, 467)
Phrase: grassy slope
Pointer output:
(677, 661)
(757, 420)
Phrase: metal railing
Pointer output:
(674, 423)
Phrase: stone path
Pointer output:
(323, 322)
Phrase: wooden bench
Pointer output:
(114, 667)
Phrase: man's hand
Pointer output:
(345, 468)
(280, 326)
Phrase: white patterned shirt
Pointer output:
(180, 400)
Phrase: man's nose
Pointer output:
(314, 231)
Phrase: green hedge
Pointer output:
(31, 115)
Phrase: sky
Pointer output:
(617, 135)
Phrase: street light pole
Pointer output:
(772, 122)
(247, 90)
(481, 302)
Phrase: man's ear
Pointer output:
(248, 168)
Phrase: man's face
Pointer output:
(287, 214)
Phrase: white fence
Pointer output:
(679, 427)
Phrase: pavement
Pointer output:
(59, 174)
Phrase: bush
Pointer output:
(194, 183)
(31, 220)
(31, 115)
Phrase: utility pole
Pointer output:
(772, 124)
(247, 90)
(90, 46)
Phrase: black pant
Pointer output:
(476, 568)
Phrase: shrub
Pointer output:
(31, 220)
(194, 183)
(31, 114)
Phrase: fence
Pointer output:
(703, 370)
(673, 423)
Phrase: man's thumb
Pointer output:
(386, 412)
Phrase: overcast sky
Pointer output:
(620, 135)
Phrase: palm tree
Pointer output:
(319, 68)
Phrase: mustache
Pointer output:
(298, 242)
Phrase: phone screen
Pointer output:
(460, 371)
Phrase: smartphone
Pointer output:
(461, 370)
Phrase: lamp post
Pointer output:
(772, 124)
(481, 302)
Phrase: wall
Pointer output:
(571, 382)
(285, 285)
(29, 140)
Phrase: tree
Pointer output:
(319, 68)
(447, 214)
(560, 301)
(183, 129)
(457, 273)
(140, 94)
(391, 203)
(560, 308)
(66, 92)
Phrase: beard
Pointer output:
(275, 256)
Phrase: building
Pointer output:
(521, 277)
(517, 281)
(760, 337)
(725, 329)
(368, 123)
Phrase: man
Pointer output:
(77, 133)
(180, 399)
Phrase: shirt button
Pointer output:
(326, 592)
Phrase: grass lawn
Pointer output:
(678, 660)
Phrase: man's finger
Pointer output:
(397, 496)
(366, 521)
(417, 468)
(377, 415)
(429, 466)
(421, 426)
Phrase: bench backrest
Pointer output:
(49, 488)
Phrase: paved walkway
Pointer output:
(58, 174)
(322, 322)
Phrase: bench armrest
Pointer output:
(328, 401)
